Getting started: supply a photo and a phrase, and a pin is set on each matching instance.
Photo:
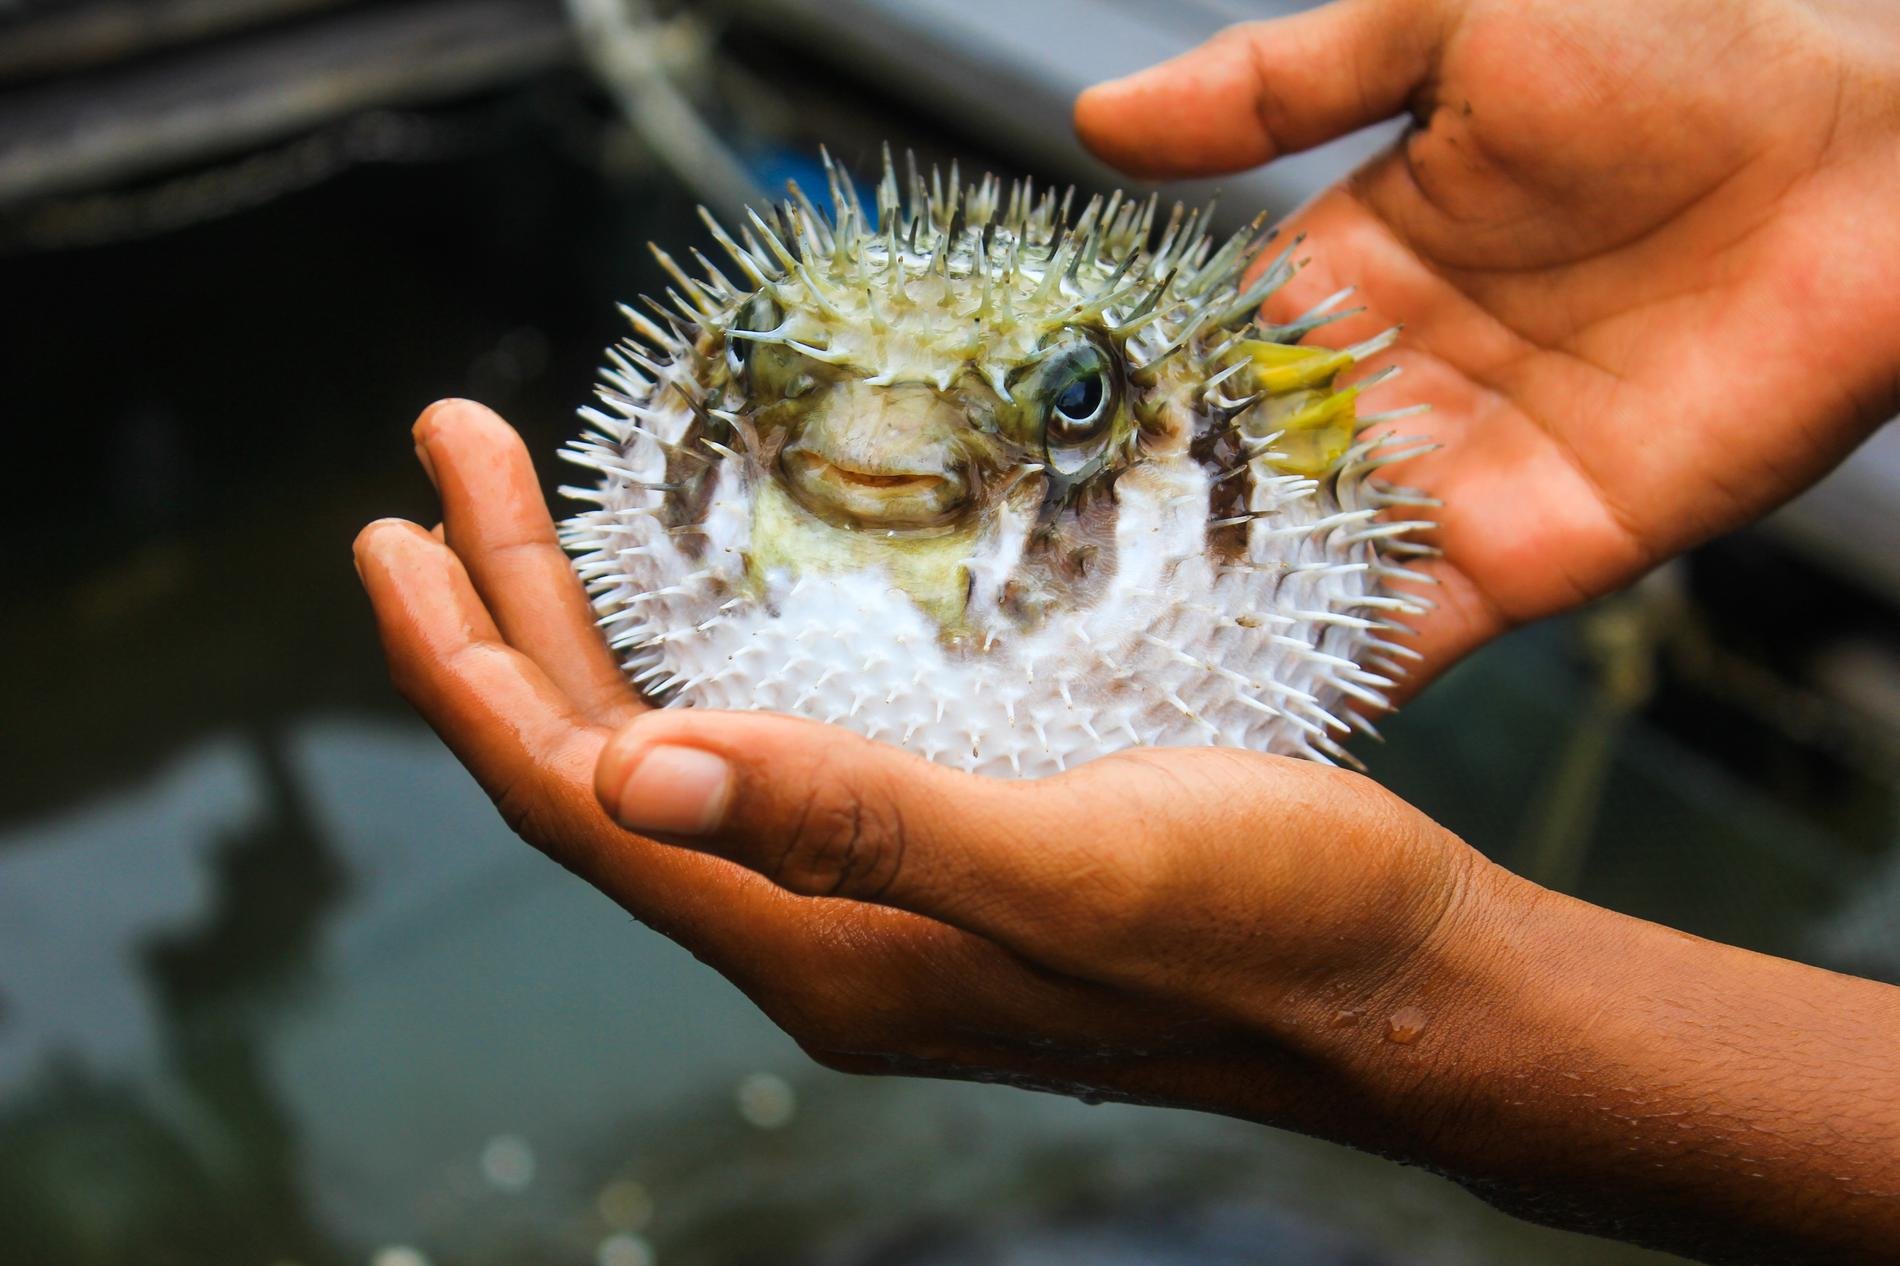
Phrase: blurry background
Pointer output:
(276, 986)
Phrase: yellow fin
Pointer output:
(1316, 422)
(1316, 429)
(1281, 367)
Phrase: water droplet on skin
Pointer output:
(1404, 1025)
(1345, 1019)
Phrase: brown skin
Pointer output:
(1642, 250)
(1604, 296)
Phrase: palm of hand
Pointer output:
(1629, 292)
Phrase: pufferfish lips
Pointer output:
(891, 458)
(872, 498)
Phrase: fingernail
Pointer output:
(365, 541)
(677, 791)
(424, 431)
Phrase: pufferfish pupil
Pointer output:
(1079, 407)
(1009, 485)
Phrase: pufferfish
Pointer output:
(1010, 484)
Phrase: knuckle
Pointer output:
(522, 802)
(547, 800)
(847, 839)
(1244, 31)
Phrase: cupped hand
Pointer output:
(1643, 250)
(1221, 930)
(1183, 927)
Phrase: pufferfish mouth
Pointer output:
(883, 498)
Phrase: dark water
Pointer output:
(276, 986)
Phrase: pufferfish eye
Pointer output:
(1078, 409)
(1076, 390)
(760, 315)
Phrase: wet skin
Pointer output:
(1130, 930)
(1629, 243)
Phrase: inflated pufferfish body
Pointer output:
(1009, 489)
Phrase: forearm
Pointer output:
(1604, 1073)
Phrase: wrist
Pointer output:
(1407, 1048)
(1575, 1065)
(1470, 1010)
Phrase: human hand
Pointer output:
(1644, 254)
(1142, 928)
(1237, 933)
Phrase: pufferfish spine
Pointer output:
(1009, 487)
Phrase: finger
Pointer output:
(1259, 90)
(496, 521)
(1050, 868)
(839, 975)
(525, 742)
(493, 707)
(823, 812)
(1461, 618)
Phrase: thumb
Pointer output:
(1259, 90)
(823, 812)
